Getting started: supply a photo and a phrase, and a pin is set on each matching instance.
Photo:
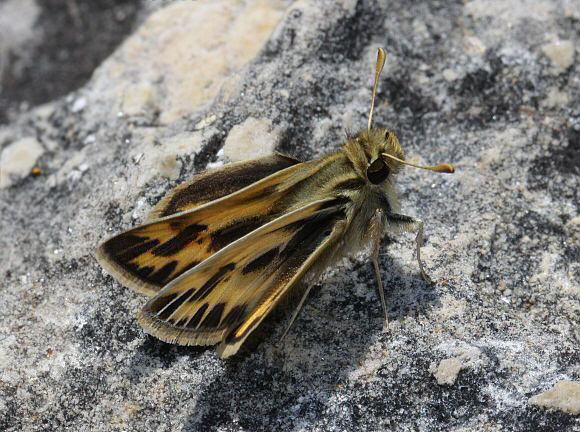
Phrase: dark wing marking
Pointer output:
(217, 183)
(224, 298)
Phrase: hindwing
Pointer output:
(224, 298)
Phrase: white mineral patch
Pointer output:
(565, 396)
(138, 97)
(18, 159)
(449, 75)
(253, 138)
(447, 371)
(556, 98)
(561, 53)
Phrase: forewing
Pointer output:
(224, 298)
(217, 183)
(149, 256)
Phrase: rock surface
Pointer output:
(478, 84)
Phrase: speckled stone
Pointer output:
(465, 83)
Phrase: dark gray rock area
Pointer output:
(490, 87)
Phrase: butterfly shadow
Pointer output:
(269, 383)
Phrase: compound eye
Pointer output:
(377, 172)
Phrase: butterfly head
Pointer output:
(369, 151)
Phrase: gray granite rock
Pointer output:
(490, 87)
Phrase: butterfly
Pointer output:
(221, 250)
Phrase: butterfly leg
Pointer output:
(400, 222)
(296, 312)
(376, 229)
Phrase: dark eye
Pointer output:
(377, 171)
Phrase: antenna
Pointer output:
(442, 168)
(380, 63)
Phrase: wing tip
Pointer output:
(120, 273)
(225, 350)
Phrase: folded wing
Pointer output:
(224, 298)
